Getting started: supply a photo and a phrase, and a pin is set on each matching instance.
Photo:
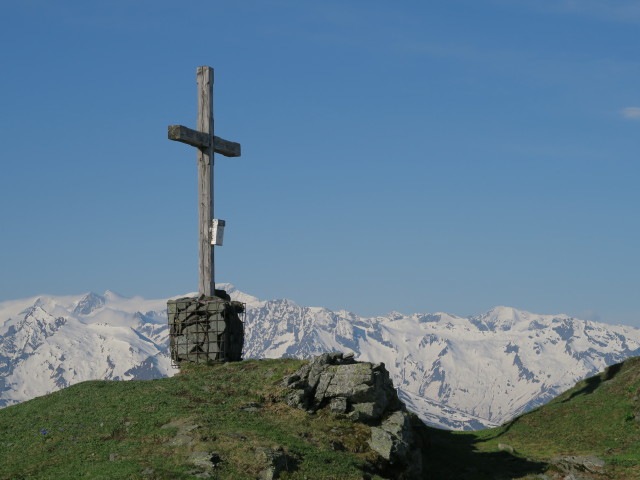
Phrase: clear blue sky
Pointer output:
(415, 156)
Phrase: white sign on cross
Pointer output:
(207, 144)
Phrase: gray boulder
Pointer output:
(361, 389)
(364, 393)
(576, 464)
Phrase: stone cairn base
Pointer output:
(206, 329)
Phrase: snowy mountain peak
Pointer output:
(113, 296)
(32, 330)
(36, 315)
(239, 296)
(44, 302)
(39, 302)
(89, 303)
(59, 341)
(454, 372)
(395, 315)
(502, 318)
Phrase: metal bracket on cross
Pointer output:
(217, 231)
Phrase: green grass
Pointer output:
(112, 430)
(596, 417)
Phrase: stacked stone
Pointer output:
(205, 329)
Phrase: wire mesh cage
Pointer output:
(205, 329)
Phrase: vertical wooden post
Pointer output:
(207, 144)
(205, 180)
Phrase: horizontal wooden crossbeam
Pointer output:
(198, 139)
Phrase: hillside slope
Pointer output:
(591, 431)
(225, 421)
(232, 422)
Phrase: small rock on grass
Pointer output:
(276, 461)
(206, 460)
(503, 447)
(179, 441)
(251, 407)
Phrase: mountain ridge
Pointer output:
(244, 420)
(455, 372)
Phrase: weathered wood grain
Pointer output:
(208, 144)
(186, 135)
(204, 77)
(183, 134)
(226, 148)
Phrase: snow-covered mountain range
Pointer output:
(456, 373)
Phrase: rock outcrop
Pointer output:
(574, 465)
(363, 392)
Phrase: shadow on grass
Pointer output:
(455, 457)
(592, 383)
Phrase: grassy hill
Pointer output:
(229, 422)
(599, 417)
(150, 429)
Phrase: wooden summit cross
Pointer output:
(207, 145)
